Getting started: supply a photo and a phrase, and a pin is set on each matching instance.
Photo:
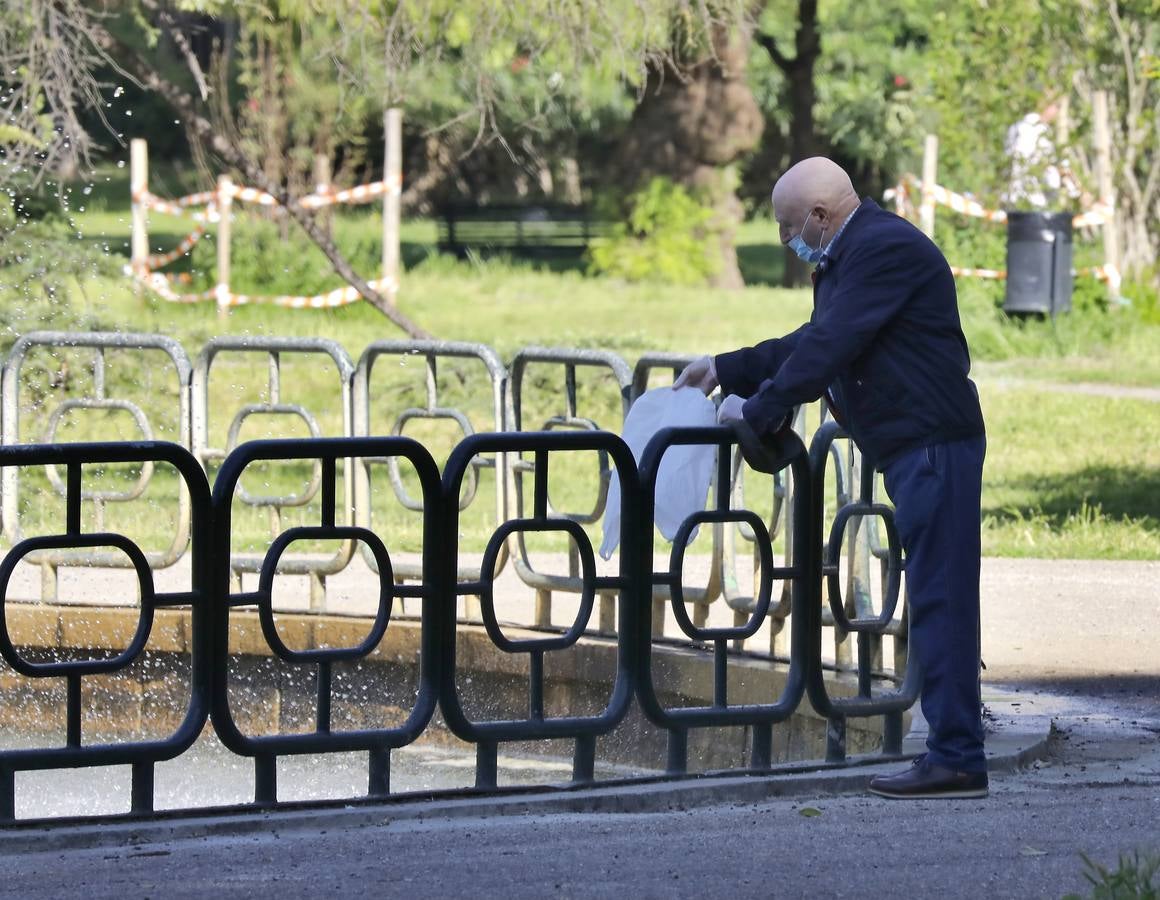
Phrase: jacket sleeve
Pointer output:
(876, 284)
(742, 372)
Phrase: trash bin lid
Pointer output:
(1024, 225)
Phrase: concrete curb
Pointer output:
(1017, 739)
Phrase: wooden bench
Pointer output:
(541, 231)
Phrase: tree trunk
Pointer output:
(693, 125)
(801, 90)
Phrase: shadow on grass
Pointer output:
(760, 264)
(1120, 492)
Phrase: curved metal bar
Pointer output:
(10, 406)
(265, 594)
(323, 739)
(676, 564)
(142, 422)
(648, 362)
(799, 572)
(140, 754)
(831, 553)
(865, 704)
(626, 584)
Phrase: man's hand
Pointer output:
(730, 410)
(701, 374)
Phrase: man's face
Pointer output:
(794, 218)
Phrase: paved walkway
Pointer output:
(1076, 769)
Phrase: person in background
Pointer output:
(1039, 179)
(885, 346)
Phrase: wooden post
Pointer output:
(929, 172)
(1103, 143)
(138, 186)
(225, 197)
(322, 187)
(393, 175)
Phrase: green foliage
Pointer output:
(669, 237)
(41, 257)
(1135, 878)
(989, 64)
(268, 257)
(1143, 294)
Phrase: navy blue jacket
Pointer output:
(884, 337)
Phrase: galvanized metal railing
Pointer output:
(565, 416)
(95, 400)
(430, 353)
(273, 349)
(212, 428)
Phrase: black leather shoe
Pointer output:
(925, 780)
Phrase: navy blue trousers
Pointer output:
(937, 493)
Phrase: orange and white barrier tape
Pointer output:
(1101, 213)
(162, 285)
(1107, 273)
(172, 208)
(339, 297)
(160, 260)
(360, 193)
(959, 271)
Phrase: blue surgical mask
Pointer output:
(797, 244)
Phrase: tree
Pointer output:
(991, 64)
(381, 49)
(696, 119)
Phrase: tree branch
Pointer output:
(770, 45)
(184, 105)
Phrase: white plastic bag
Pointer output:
(685, 472)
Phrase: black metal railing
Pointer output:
(214, 599)
(140, 755)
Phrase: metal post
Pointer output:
(142, 787)
(379, 777)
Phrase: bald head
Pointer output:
(817, 189)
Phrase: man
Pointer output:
(885, 345)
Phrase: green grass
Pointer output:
(1136, 877)
(1068, 475)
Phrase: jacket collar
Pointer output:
(859, 219)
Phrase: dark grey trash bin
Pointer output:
(1038, 262)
